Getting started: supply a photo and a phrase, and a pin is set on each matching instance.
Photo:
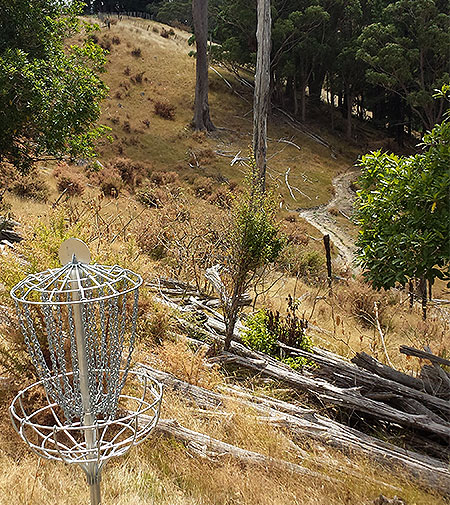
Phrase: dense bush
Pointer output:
(30, 186)
(267, 329)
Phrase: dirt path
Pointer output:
(321, 218)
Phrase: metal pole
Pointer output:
(88, 419)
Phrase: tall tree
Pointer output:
(49, 93)
(261, 97)
(407, 53)
(201, 120)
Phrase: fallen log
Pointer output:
(213, 448)
(349, 398)
(303, 422)
(411, 351)
(363, 360)
(350, 375)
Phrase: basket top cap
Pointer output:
(76, 281)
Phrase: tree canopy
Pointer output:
(49, 92)
(403, 211)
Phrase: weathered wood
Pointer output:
(363, 360)
(303, 422)
(354, 376)
(262, 90)
(346, 398)
(212, 447)
(435, 381)
(411, 351)
(201, 120)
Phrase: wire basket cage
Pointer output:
(101, 303)
(79, 325)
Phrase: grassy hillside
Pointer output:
(161, 195)
(162, 71)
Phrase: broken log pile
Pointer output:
(414, 409)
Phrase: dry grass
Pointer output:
(169, 79)
(163, 471)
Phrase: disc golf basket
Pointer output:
(79, 324)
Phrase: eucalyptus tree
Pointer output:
(202, 119)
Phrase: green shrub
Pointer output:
(266, 329)
(257, 335)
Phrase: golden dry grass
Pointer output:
(162, 471)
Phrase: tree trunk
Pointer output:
(294, 92)
(201, 120)
(423, 294)
(262, 89)
(349, 112)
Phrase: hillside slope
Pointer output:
(156, 226)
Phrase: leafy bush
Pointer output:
(266, 329)
(257, 336)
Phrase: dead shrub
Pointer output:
(296, 233)
(105, 43)
(152, 196)
(127, 70)
(199, 136)
(115, 40)
(107, 179)
(359, 300)
(299, 262)
(155, 29)
(162, 178)
(333, 211)
(126, 127)
(30, 186)
(118, 95)
(222, 197)
(164, 33)
(111, 186)
(114, 120)
(69, 180)
(205, 155)
(146, 123)
(165, 110)
(137, 79)
(136, 52)
(131, 172)
(203, 186)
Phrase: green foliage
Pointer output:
(49, 94)
(407, 53)
(257, 335)
(404, 213)
(253, 242)
(254, 238)
(265, 329)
